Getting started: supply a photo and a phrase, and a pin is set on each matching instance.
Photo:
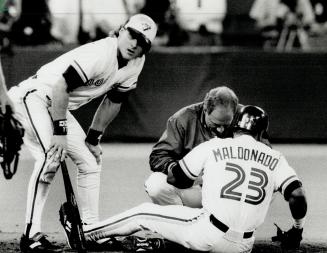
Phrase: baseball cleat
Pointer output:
(38, 243)
(139, 244)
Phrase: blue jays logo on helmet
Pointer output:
(146, 26)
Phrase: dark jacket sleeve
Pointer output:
(169, 148)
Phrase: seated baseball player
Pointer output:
(240, 174)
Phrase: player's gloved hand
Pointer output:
(289, 239)
(92, 141)
(58, 147)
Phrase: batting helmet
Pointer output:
(143, 28)
(11, 139)
(251, 119)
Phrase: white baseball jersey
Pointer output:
(90, 71)
(240, 176)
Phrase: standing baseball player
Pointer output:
(108, 67)
(240, 177)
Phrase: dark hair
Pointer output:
(115, 33)
(220, 96)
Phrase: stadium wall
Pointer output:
(290, 86)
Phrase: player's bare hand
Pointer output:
(96, 151)
(58, 147)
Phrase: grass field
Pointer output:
(124, 171)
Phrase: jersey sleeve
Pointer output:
(127, 76)
(127, 86)
(87, 62)
(193, 163)
(284, 175)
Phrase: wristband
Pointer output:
(299, 223)
(60, 127)
(93, 136)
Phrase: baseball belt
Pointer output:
(224, 228)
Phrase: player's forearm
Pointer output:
(59, 101)
(5, 101)
(3, 87)
(105, 114)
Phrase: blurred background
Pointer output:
(273, 53)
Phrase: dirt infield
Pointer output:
(9, 243)
(124, 171)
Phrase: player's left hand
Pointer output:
(96, 151)
(58, 147)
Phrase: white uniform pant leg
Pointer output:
(162, 193)
(172, 222)
(223, 245)
(88, 174)
(32, 112)
(189, 227)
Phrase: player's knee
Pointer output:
(87, 167)
(141, 209)
(156, 184)
(146, 206)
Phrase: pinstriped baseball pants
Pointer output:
(32, 110)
